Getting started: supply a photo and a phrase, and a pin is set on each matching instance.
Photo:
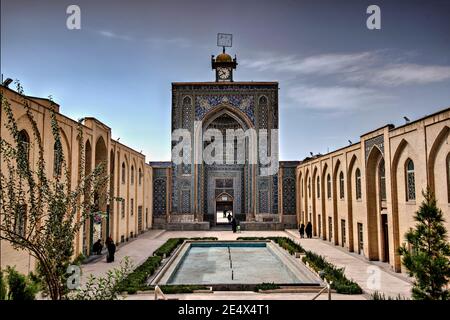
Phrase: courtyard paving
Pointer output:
(371, 276)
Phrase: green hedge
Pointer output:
(381, 296)
(168, 247)
(266, 286)
(137, 279)
(284, 242)
(340, 282)
(168, 289)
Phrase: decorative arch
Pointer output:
(335, 189)
(67, 155)
(352, 164)
(236, 114)
(395, 220)
(324, 199)
(299, 192)
(437, 145)
(24, 143)
(306, 192)
(373, 160)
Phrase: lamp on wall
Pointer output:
(7, 82)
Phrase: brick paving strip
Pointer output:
(356, 268)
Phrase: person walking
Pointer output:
(302, 230)
(308, 230)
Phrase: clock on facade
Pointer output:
(223, 74)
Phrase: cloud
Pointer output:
(163, 42)
(319, 64)
(405, 74)
(112, 35)
(370, 68)
(334, 98)
(156, 42)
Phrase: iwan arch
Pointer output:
(363, 197)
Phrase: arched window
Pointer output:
(318, 187)
(24, 144)
(358, 183)
(123, 173)
(309, 187)
(382, 175)
(328, 186)
(140, 176)
(410, 181)
(263, 100)
(132, 174)
(301, 187)
(341, 185)
(57, 158)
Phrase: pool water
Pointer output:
(236, 262)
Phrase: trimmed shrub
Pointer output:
(168, 247)
(2, 286)
(266, 286)
(381, 296)
(204, 238)
(340, 282)
(20, 287)
(137, 279)
(168, 289)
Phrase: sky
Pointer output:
(337, 79)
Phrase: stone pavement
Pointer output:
(356, 267)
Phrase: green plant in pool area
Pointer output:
(266, 286)
(204, 238)
(136, 280)
(340, 282)
(381, 296)
(167, 248)
(171, 289)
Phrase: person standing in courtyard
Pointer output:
(302, 230)
(233, 224)
(308, 230)
(229, 217)
(111, 250)
(97, 247)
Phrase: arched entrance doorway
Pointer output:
(100, 222)
(224, 208)
(228, 169)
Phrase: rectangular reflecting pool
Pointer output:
(234, 262)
